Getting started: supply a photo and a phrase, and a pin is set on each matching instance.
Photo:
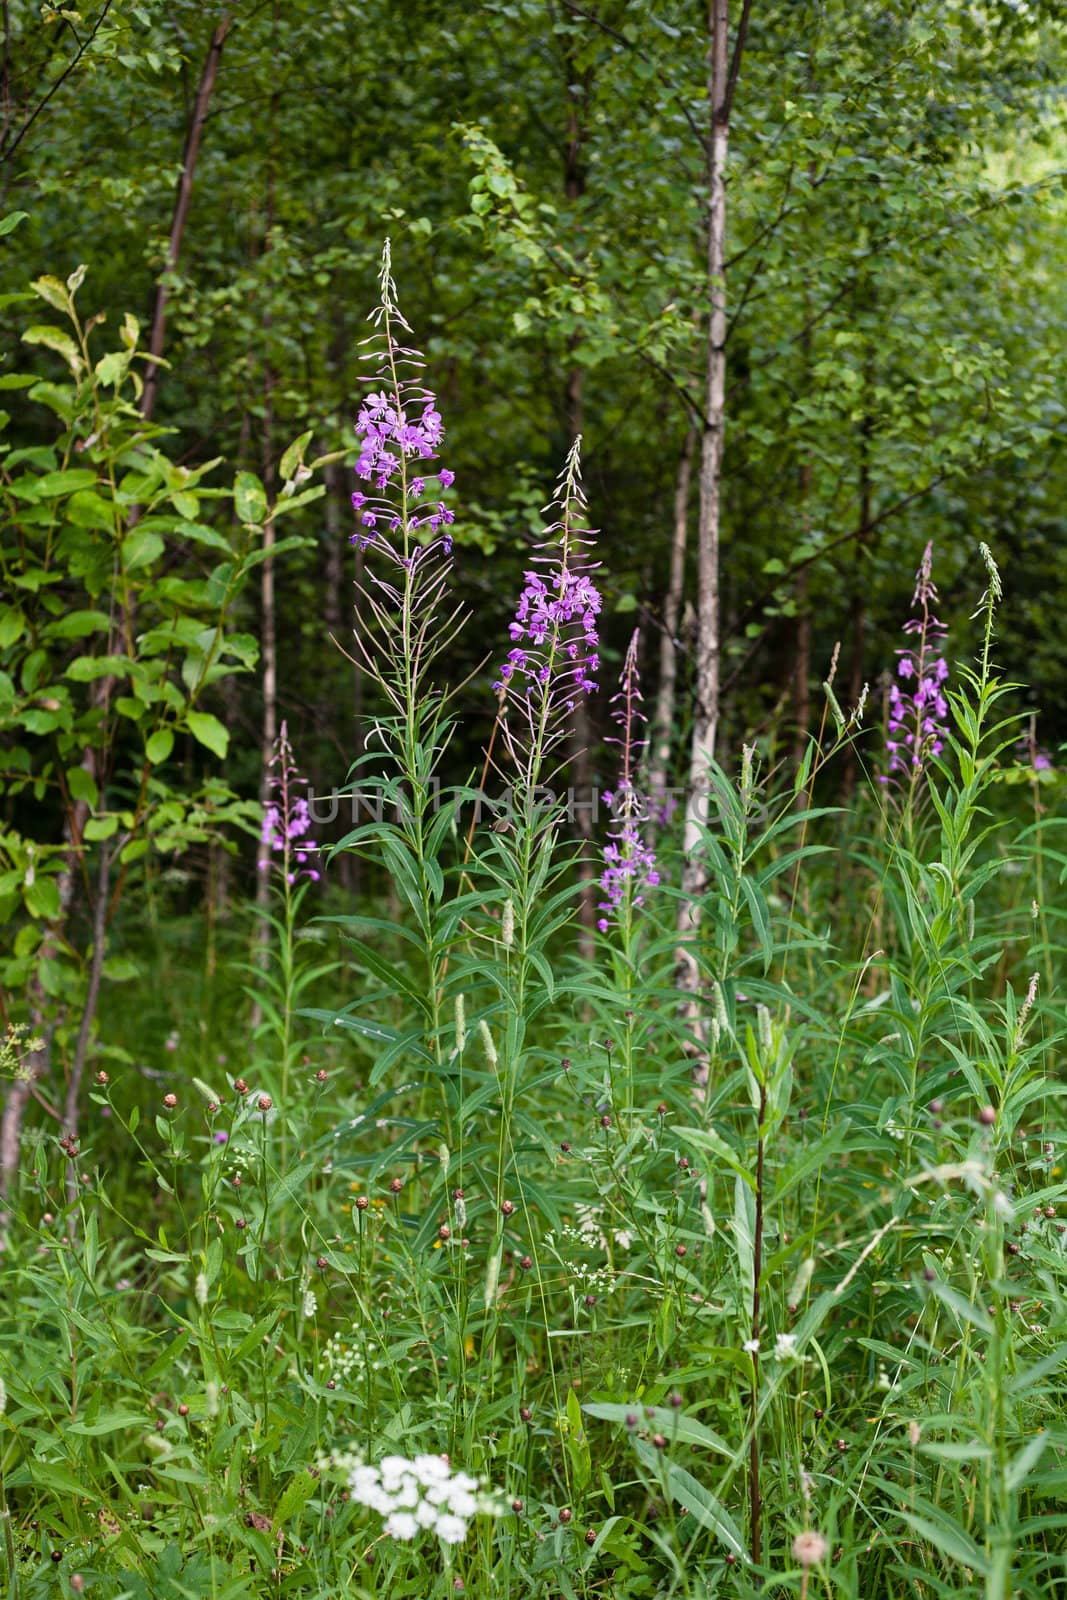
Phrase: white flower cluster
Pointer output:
(342, 1360)
(412, 1496)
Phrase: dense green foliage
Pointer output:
(752, 1286)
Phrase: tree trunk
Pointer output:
(721, 80)
(582, 738)
(858, 604)
(181, 213)
(268, 638)
(663, 717)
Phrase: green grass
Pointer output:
(486, 1214)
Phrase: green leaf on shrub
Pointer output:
(42, 899)
(208, 730)
(82, 786)
(100, 827)
(160, 745)
(249, 497)
(140, 549)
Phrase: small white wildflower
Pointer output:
(311, 1305)
(419, 1496)
(785, 1347)
(461, 1024)
(623, 1238)
(452, 1529)
(507, 924)
(200, 1289)
(751, 1347)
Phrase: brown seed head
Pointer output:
(170, 1101)
(507, 1207)
(566, 1514)
(241, 1086)
(395, 1185)
(362, 1203)
(264, 1102)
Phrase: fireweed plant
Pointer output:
(290, 856)
(801, 1335)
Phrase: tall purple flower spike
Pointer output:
(555, 644)
(629, 862)
(918, 712)
(399, 431)
(286, 830)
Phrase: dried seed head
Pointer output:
(809, 1548)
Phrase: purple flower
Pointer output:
(399, 431)
(629, 862)
(286, 826)
(555, 645)
(918, 714)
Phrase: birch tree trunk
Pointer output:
(663, 716)
(721, 79)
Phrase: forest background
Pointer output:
(798, 370)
